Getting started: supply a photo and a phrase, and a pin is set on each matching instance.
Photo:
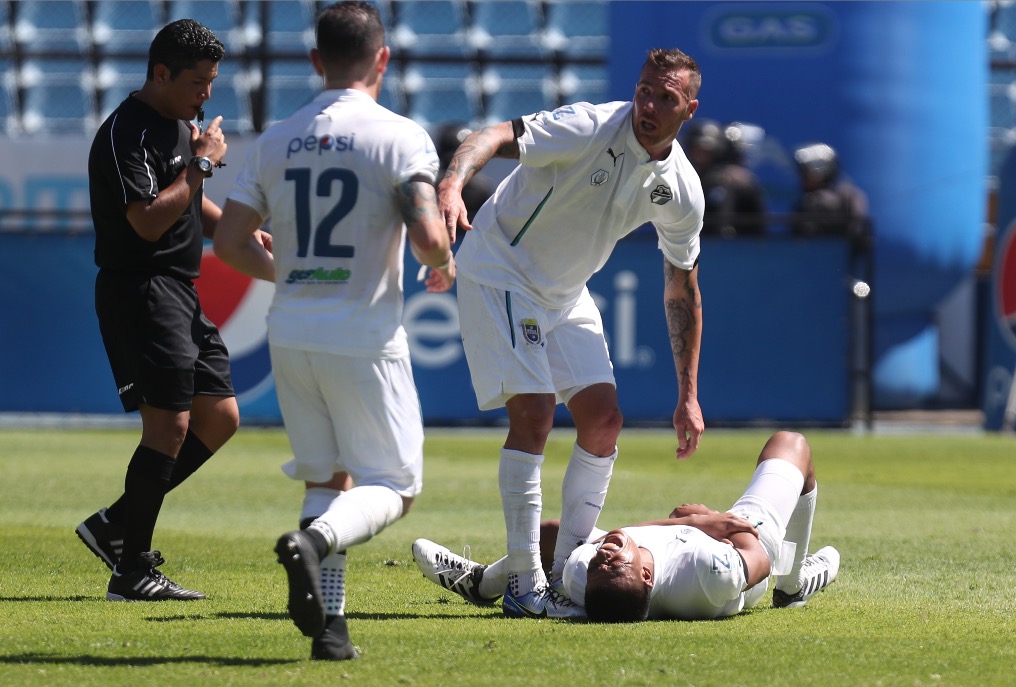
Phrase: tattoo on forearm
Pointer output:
(417, 200)
(681, 318)
(477, 150)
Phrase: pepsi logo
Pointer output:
(1005, 286)
(238, 305)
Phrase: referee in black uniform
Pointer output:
(146, 169)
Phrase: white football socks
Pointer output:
(522, 502)
(495, 579)
(582, 495)
(355, 516)
(799, 532)
(333, 583)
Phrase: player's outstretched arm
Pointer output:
(683, 307)
(478, 148)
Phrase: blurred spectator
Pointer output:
(735, 203)
(829, 205)
(476, 192)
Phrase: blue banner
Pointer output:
(776, 345)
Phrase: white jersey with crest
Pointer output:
(583, 182)
(325, 180)
(696, 577)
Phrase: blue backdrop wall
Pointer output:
(777, 340)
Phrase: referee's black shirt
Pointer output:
(135, 154)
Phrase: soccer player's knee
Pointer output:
(407, 501)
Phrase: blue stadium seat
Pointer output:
(289, 24)
(59, 106)
(1002, 109)
(115, 79)
(431, 28)
(47, 26)
(513, 90)
(6, 40)
(221, 16)
(125, 27)
(392, 94)
(578, 28)
(503, 28)
(231, 99)
(288, 85)
(9, 115)
(1000, 143)
(583, 83)
(441, 92)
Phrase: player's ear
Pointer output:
(160, 74)
(647, 577)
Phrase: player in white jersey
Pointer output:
(698, 564)
(588, 175)
(341, 180)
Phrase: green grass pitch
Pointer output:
(926, 593)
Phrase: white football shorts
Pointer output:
(515, 346)
(344, 413)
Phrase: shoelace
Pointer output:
(457, 566)
(559, 599)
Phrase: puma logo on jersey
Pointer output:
(615, 158)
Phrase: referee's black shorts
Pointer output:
(161, 347)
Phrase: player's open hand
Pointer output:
(453, 210)
(440, 279)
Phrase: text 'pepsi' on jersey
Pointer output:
(326, 180)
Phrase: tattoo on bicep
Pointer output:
(417, 200)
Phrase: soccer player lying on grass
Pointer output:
(698, 564)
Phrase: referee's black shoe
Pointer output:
(146, 583)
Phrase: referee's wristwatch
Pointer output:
(203, 163)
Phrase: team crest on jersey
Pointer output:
(661, 195)
(531, 332)
(599, 177)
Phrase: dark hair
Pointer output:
(613, 602)
(181, 45)
(349, 33)
(674, 60)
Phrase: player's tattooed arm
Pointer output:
(683, 307)
(479, 147)
(428, 240)
(417, 200)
